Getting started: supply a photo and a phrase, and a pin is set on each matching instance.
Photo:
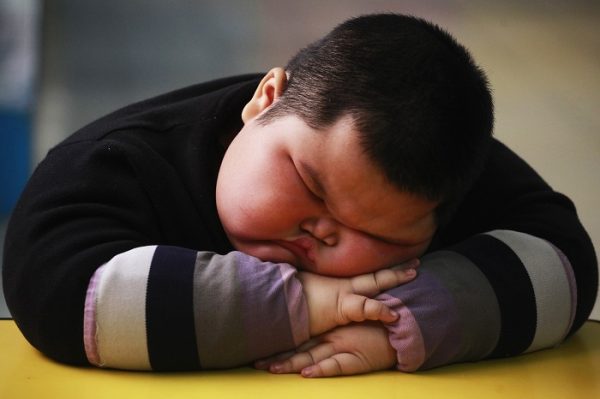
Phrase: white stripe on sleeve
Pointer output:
(121, 310)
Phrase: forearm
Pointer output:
(494, 295)
(165, 308)
(91, 203)
(513, 271)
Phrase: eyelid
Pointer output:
(307, 180)
(399, 242)
(409, 244)
(306, 174)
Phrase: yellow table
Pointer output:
(570, 371)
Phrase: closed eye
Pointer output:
(401, 243)
(308, 177)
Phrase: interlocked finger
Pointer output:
(266, 363)
(338, 364)
(311, 343)
(373, 283)
(359, 308)
(301, 360)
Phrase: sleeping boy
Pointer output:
(167, 235)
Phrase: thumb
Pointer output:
(372, 284)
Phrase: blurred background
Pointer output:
(64, 63)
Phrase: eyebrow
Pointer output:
(315, 178)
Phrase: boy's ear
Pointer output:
(269, 89)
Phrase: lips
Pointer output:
(303, 247)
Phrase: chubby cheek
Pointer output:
(362, 256)
(260, 204)
(246, 214)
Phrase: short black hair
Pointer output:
(421, 105)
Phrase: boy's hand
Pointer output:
(338, 301)
(354, 349)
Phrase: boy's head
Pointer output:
(421, 106)
(351, 157)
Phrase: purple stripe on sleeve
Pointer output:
(296, 304)
(89, 320)
(405, 336)
(572, 285)
(245, 309)
(455, 310)
(434, 309)
(264, 309)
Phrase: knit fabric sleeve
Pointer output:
(169, 308)
(521, 275)
(498, 294)
(107, 263)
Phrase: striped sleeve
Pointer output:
(169, 308)
(497, 294)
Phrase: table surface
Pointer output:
(570, 371)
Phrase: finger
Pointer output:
(311, 343)
(264, 364)
(359, 308)
(375, 310)
(410, 264)
(302, 360)
(338, 364)
(373, 283)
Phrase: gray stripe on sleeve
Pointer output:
(550, 285)
(475, 302)
(217, 311)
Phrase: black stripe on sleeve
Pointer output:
(514, 291)
(169, 310)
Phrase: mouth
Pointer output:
(303, 248)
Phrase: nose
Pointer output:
(324, 229)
